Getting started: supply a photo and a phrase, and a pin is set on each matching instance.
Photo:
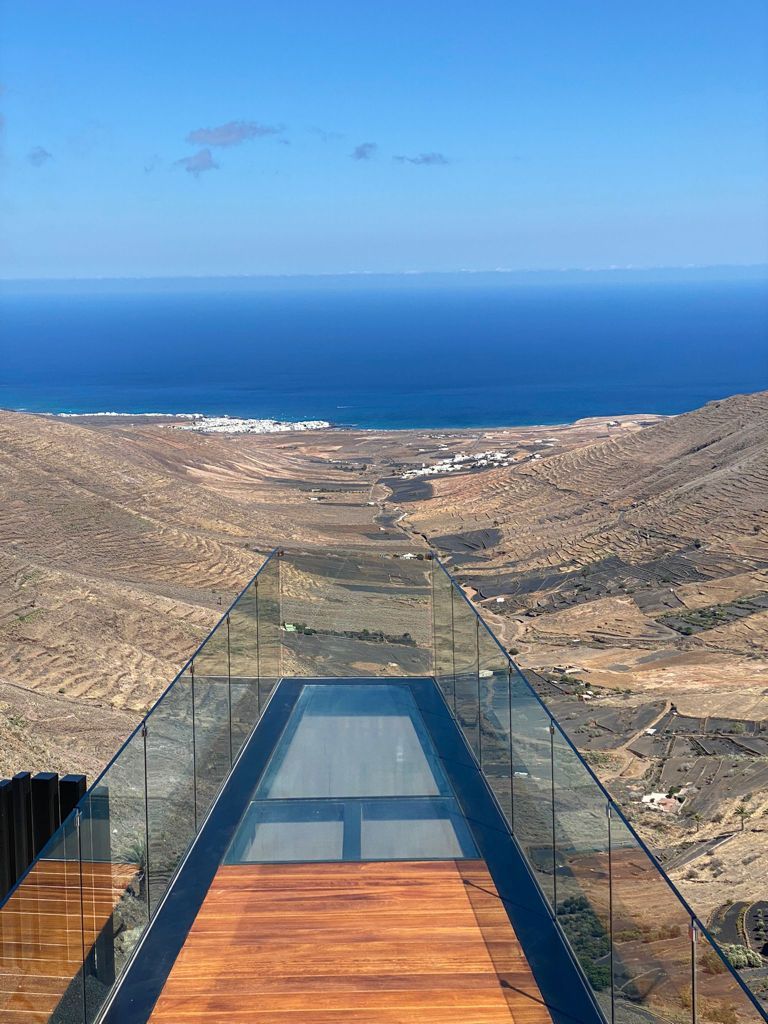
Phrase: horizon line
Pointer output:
(468, 271)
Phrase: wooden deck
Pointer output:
(41, 933)
(351, 943)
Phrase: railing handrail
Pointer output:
(611, 803)
(77, 809)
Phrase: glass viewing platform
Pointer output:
(351, 806)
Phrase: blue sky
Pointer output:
(145, 138)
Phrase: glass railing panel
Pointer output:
(442, 614)
(652, 950)
(532, 781)
(269, 632)
(69, 928)
(170, 785)
(465, 625)
(41, 937)
(114, 871)
(719, 999)
(628, 928)
(212, 717)
(244, 666)
(582, 867)
(495, 698)
(356, 614)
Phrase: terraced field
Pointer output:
(628, 572)
(601, 545)
(119, 547)
(122, 541)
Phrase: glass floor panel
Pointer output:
(354, 777)
(354, 740)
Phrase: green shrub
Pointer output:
(588, 939)
(741, 956)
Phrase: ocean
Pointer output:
(424, 351)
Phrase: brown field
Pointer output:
(121, 542)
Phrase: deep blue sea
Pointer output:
(386, 353)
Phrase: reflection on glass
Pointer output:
(268, 606)
(213, 745)
(465, 670)
(244, 666)
(41, 965)
(353, 614)
(582, 867)
(532, 781)
(495, 695)
(170, 784)
(114, 868)
(651, 936)
(442, 596)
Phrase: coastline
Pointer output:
(203, 423)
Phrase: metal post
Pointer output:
(694, 931)
(433, 570)
(146, 819)
(194, 746)
(554, 833)
(479, 704)
(78, 820)
(511, 757)
(258, 654)
(229, 691)
(99, 820)
(453, 651)
(610, 912)
(280, 556)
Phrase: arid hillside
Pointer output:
(640, 496)
(122, 540)
(630, 576)
(626, 561)
(616, 543)
(118, 547)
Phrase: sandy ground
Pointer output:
(121, 543)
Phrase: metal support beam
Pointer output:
(22, 820)
(71, 790)
(7, 851)
(45, 808)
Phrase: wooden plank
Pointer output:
(347, 943)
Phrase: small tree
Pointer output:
(743, 813)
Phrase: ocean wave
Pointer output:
(132, 415)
